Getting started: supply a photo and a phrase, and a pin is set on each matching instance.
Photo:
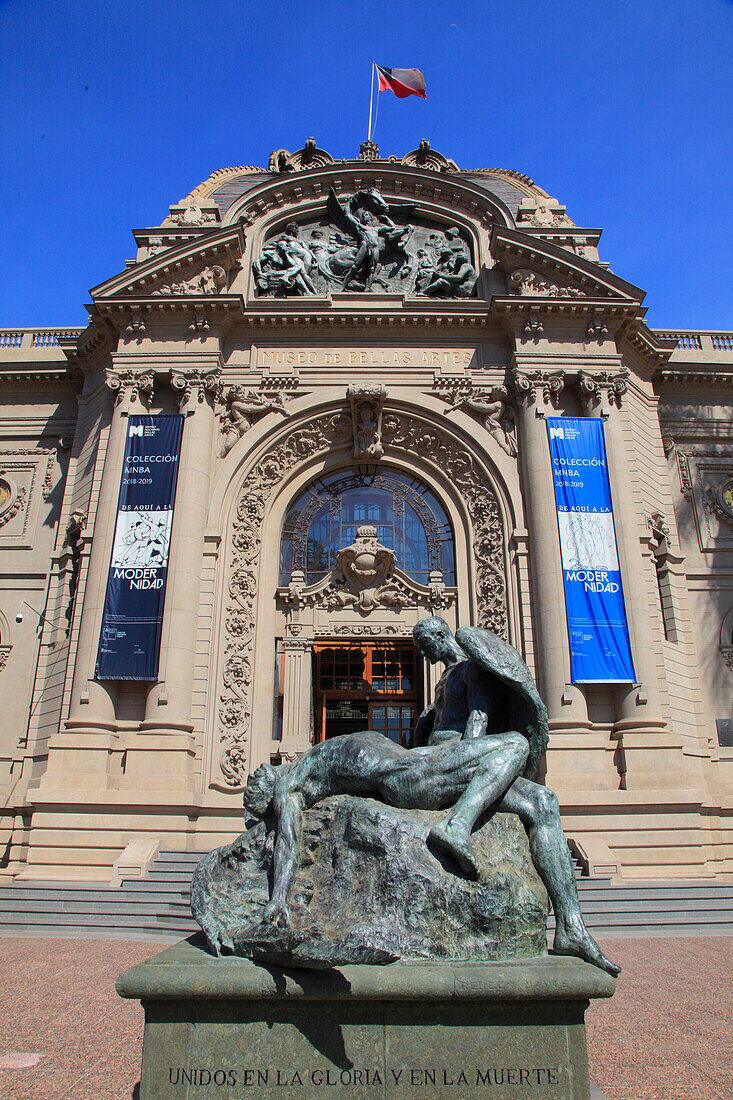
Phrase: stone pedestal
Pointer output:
(230, 1028)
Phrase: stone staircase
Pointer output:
(157, 907)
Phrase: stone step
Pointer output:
(158, 905)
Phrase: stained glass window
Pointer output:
(408, 518)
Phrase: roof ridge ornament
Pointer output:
(310, 156)
(431, 159)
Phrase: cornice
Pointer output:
(339, 311)
(671, 377)
(64, 377)
(395, 180)
(513, 248)
(226, 242)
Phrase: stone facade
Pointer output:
(407, 326)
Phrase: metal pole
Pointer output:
(371, 97)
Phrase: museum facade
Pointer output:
(323, 401)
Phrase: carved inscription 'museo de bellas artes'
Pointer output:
(371, 357)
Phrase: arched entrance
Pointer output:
(323, 606)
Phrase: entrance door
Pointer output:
(367, 685)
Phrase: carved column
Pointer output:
(652, 754)
(296, 697)
(537, 393)
(166, 739)
(90, 727)
(580, 758)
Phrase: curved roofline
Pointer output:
(224, 175)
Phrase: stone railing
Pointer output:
(699, 341)
(24, 338)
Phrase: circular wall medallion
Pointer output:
(7, 495)
(722, 499)
(726, 497)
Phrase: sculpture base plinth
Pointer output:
(230, 1028)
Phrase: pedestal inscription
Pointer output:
(230, 1028)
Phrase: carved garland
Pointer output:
(402, 433)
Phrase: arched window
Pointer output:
(409, 520)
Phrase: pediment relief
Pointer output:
(538, 268)
(198, 267)
(366, 243)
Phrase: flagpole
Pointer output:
(371, 98)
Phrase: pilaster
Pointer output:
(79, 755)
(580, 757)
(296, 697)
(651, 752)
(161, 756)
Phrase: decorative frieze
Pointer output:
(209, 281)
(529, 284)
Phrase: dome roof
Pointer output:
(226, 185)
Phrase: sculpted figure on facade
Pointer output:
(211, 280)
(492, 408)
(366, 244)
(284, 265)
(452, 277)
(243, 408)
(365, 217)
(531, 285)
(367, 401)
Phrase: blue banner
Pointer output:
(600, 650)
(129, 645)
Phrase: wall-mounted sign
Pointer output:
(129, 644)
(600, 651)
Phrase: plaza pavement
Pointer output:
(667, 1034)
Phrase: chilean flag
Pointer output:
(402, 82)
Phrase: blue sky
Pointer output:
(621, 109)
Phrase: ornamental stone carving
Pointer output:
(543, 216)
(659, 532)
(235, 713)
(604, 389)
(135, 385)
(367, 402)
(365, 244)
(490, 406)
(12, 499)
(209, 281)
(683, 469)
(309, 157)
(431, 159)
(243, 408)
(539, 388)
(406, 434)
(188, 381)
(719, 499)
(529, 284)
(193, 215)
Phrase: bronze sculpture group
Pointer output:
(367, 244)
(475, 748)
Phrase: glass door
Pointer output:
(367, 685)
